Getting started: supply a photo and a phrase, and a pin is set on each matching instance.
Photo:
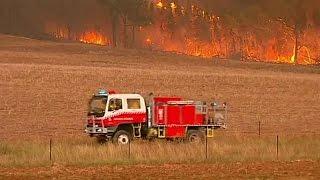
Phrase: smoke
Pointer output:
(30, 17)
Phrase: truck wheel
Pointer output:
(195, 136)
(121, 137)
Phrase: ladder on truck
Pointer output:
(137, 130)
(161, 132)
(210, 131)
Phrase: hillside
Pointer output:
(45, 86)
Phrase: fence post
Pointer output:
(259, 128)
(207, 145)
(129, 149)
(50, 149)
(277, 147)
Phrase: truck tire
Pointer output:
(121, 137)
(195, 136)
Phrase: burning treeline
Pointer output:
(284, 31)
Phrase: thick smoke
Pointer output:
(30, 17)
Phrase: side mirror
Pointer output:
(224, 104)
(214, 104)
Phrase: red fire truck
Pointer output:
(124, 117)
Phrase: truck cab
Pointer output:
(109, 112)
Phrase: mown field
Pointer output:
(45, 86)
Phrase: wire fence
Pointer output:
(206, 150)
(224, 145)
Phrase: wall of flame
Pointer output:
(175, 28)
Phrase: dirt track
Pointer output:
(44, 87)
(270, 170)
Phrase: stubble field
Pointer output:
(45, 86)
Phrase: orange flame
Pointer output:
(173, 5)
(180, 40)
(93, 37)
(148, 41)
(159, 4)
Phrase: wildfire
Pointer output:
(159, 4)
(309, 60)
(57, 31)
(303, 58)
(292, 59)
(211, 40)
(93, 37)
(173, 5)
(60, 31)
(148, 42)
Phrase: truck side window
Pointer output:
(115, 104)
(133, 103)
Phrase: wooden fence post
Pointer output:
(50, 149)
(277, 147)
(129, 149)
(207, 145)
(259, 128)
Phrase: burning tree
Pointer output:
(135, 11)
(296, 16)
(280, 20)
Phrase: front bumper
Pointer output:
(96, 130)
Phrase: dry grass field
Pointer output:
(45, 86)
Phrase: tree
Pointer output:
(293, 14)
(239, 20)
(135, 11)
(114, 14)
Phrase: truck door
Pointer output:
(114, 108)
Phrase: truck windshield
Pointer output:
(97, 106)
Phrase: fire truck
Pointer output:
(121, 118)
